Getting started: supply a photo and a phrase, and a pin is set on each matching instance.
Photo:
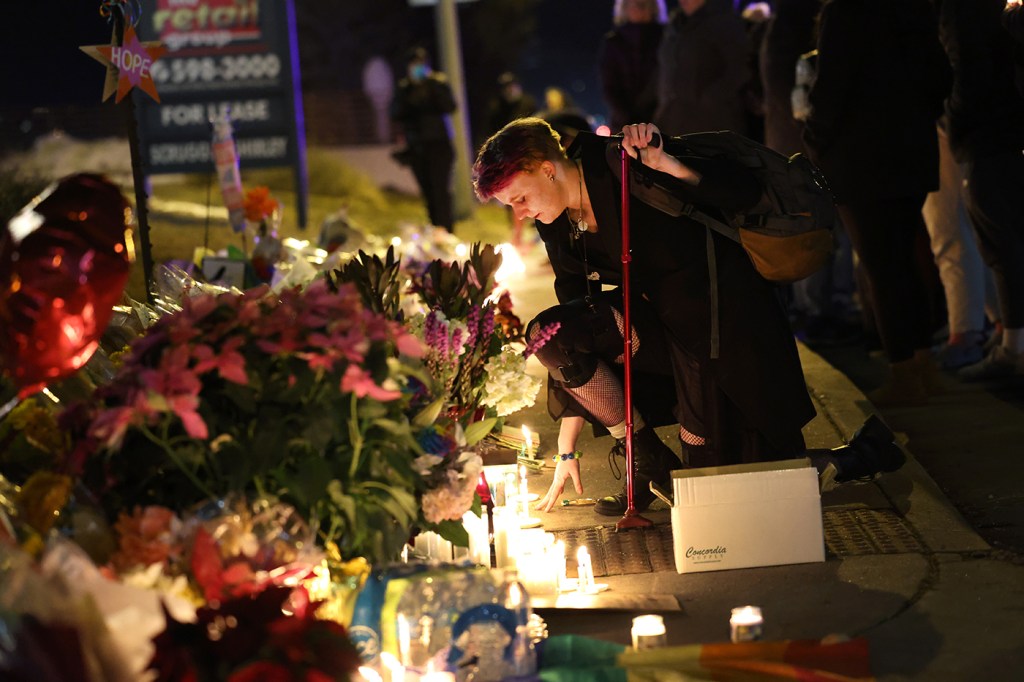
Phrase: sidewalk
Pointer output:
(903, 568)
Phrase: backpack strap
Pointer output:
(713, 281)
(644, 186)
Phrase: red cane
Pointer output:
(631, 518)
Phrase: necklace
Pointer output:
(581, 224)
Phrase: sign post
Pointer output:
(225, 57)
(450, 48)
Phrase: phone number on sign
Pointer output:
(211, 69)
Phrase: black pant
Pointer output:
(588, 332)
(883, 233)
(432, 165)
(995, 202)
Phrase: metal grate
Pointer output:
(641, 550)
(856, 532)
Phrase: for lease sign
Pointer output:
(233, 56)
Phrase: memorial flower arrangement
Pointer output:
(304, 395)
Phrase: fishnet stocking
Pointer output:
(602, 395)
(620, 323)
(690, 438)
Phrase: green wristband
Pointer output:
(567, 456)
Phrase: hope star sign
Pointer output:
(132, 61)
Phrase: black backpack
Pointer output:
(788, 234)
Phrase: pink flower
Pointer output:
(111, 425)
(230, 364)
(409, 345)
(357, 380)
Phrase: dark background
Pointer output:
(46, 82)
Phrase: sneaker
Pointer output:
(615, 505)
(871, 452)
(652, 461)
(968, 351)
(1000, 363)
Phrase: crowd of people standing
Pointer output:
(911, 109)
(914, 118)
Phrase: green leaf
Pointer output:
(454, 532)
(345, 503)
(429, 414)
(477, 430)
(309, 483)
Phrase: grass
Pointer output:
(332, 184)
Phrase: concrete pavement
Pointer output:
(903, 567)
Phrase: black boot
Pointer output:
(871, 451)
(652, 461)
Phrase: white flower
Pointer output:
(424, 463)
(451, 500)
(508, 387)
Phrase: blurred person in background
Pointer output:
(882, 77)
(510, 103)
(821, 306)
(562, 114)
(985, 112)
(703, 68)
(422, 107)
(628, 60)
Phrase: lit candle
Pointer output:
(369, 674)
(648, 632)
(506, 536)
(436, 675)
(746, 624)
(527, 442)
(510, 488)
(395, 670)
(558, 567)
(585, 570)
(524, 492)
(402, 630)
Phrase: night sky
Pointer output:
(42, 65)
(565, 54)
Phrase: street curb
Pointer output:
(911, 491)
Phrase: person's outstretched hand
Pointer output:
(565, 469)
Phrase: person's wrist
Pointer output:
(567, 456)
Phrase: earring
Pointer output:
(551, 178)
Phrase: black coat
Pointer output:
(882, 78)
(789, 34)
(628, 63)
(985, 109)
(758, 368)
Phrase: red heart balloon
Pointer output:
(64, 263)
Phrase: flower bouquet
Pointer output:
(305, 396)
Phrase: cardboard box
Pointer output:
(745, 515)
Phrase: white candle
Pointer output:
(395, 670)
(369, 674)
(648, 632)
(402, 630)
(558, 567)
(746, 624)
(524, 493)
(510, 489)
(506, 536)
(527, 441)
(585, 570)
(432, 675)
